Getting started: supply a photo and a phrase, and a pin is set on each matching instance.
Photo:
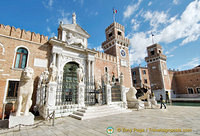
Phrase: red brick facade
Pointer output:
(12, 39)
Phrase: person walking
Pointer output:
(162, 102)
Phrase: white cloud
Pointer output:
(171, 50)
(131, 9)
(175, 2)
(185, 27)
(64, 17)
(156, 18)
(48, 3)
(135, 23)
(169, 56)
(99, 48)
(150, 3)
(191, 64)
(139, 42)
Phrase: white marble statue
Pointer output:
(121, 79)
(80, 75)
(97, 85)
(25, 92)
(146, 95)
(44, 77)
(107, 78)
(52, 72)
(131, 95)
(74, 40)
(74, 18)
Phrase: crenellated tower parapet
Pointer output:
(22, 34)
(115, 34)
(106, 57)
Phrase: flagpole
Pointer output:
(113, 17)
(152, 37)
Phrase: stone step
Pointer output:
(86, 110)
(98, 111)
(105, 111)
(80, 117)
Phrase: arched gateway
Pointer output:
(69, 85)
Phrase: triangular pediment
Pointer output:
(75, 28)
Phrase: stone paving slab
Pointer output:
(125, 124)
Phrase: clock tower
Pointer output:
(117, 44)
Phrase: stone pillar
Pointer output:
(54, 58)
(81, 94)
(58, 63)
(92, 71)
(50, 99)
(108, 94)
(123, 96)
(89, 71)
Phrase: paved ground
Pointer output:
(174, 118)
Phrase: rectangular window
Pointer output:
(152, 53)
(134, 73)
(145, 81)
(198, 90)
(135, 81)
(144, 72)
(12, 90)
(110, 34)
(190, 90)
(119, 33)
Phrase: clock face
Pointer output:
(123, 53)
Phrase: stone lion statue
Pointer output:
(131, 94)
(146, 95)
(80, 75)
(71, 39)
(25, 92)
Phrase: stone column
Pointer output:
(81, 94)
(92, 73)
(89, 71)
(54, 58)
(108, 94)
(123, 96)
(50, 99)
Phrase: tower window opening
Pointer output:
(110, 34)
(152, 52)
(106, 69)
(119, 33)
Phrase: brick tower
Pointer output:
(117, 44)
(158, 73)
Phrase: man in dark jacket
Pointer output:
(162, 102)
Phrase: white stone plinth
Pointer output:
(81, 94)
(51, 94)
(108, 94)
(136, 104)
(23, 120)
(123, 96)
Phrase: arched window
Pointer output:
(21, 58)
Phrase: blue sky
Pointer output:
(175, 24)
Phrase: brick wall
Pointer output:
(187, 78)
(11, 38)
